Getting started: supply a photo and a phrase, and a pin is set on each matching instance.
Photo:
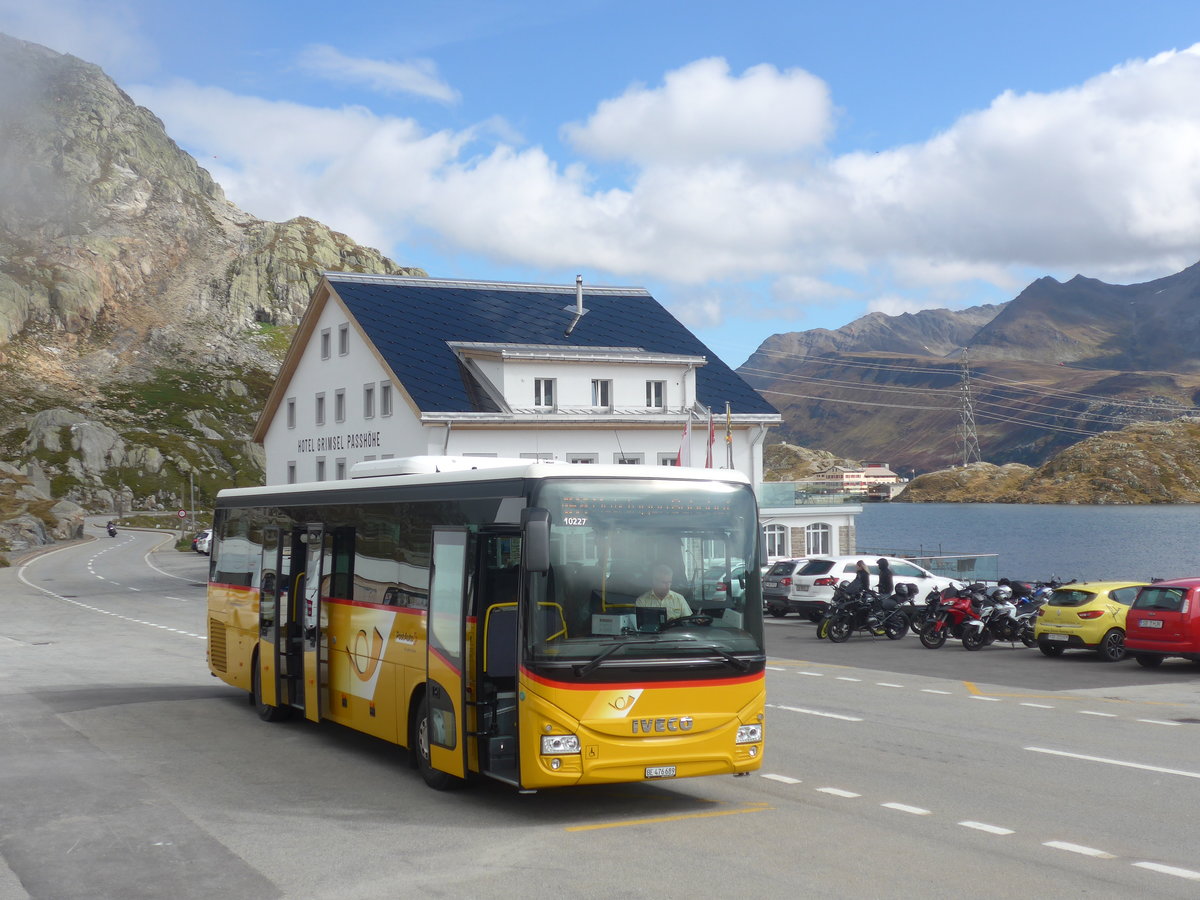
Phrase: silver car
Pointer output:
(779, 583)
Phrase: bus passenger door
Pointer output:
(272, 585)
(311, 621)
(445, 663)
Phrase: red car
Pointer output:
(1163, 621)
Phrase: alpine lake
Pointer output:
(1037, 541)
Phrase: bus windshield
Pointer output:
(653, 575)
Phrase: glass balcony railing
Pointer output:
(782, 494)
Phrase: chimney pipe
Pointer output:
(578, 308)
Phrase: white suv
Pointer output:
(812, 586)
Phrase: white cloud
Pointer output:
(1103, 177)
(104, 32)
(895, 305)
(701, 112)
(417, 76)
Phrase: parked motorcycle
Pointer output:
(923, 615)
(956, 607)
(999, 619)
(863, 611)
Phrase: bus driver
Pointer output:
(661, 595)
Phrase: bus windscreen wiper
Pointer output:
(740, 664)
(588, 667)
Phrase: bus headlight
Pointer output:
(556, 744)
(746, 734)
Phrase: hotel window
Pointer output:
(776, 540)
(291, 412)
(537, 456)
(385, 399)
(291, 473)
(816, 540)
(602, 393)
(667, 459)
(628, 459)
(325, 343)
(320, 409)
(656, 395)
(582, 458)
(340, 468)
(368, 401)
(543, 392)
(343, 340)
(320, 468)
(339, 405)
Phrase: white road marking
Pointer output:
(847, 678)
(888, 684)
(1169, 870)
(983, 826)
(838, 792)
(825, 715)
(139, 590)
(1078, 848)
(1038, 705)
(932, 691)
(1088, 712)
(1115, 762)
(812, 674)
(1159, 722)
(783, 778)
(168, 539)
(776, 669)
(989, 699)
(903, 807)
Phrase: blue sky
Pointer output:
(761, 167)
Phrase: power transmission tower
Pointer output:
(967, 435)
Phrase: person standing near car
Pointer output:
(862, 578)
(887, 585)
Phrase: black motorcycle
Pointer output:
(112, 529)
(862, 611)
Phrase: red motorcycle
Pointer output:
(958, 606)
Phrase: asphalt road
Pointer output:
(127, 771)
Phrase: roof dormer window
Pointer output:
(543, 393)
(602, 393)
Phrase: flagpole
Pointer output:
(728, 436)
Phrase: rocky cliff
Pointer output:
(1144, 463)
(142, 315)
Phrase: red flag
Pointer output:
(684, 456)
(712, 436)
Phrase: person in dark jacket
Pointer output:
(862, 577)
(887, 585)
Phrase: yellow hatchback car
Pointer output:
(1089, 616)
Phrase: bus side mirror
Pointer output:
(535, 523)
(762, 546)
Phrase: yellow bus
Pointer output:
(497, 618)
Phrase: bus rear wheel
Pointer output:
(419, 747)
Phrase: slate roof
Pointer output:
(410, 321)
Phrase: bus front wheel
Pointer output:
(419, 744)
(266, 711)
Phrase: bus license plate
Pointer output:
(1151, 623)
(660, 771)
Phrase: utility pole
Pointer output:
(968, 438)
